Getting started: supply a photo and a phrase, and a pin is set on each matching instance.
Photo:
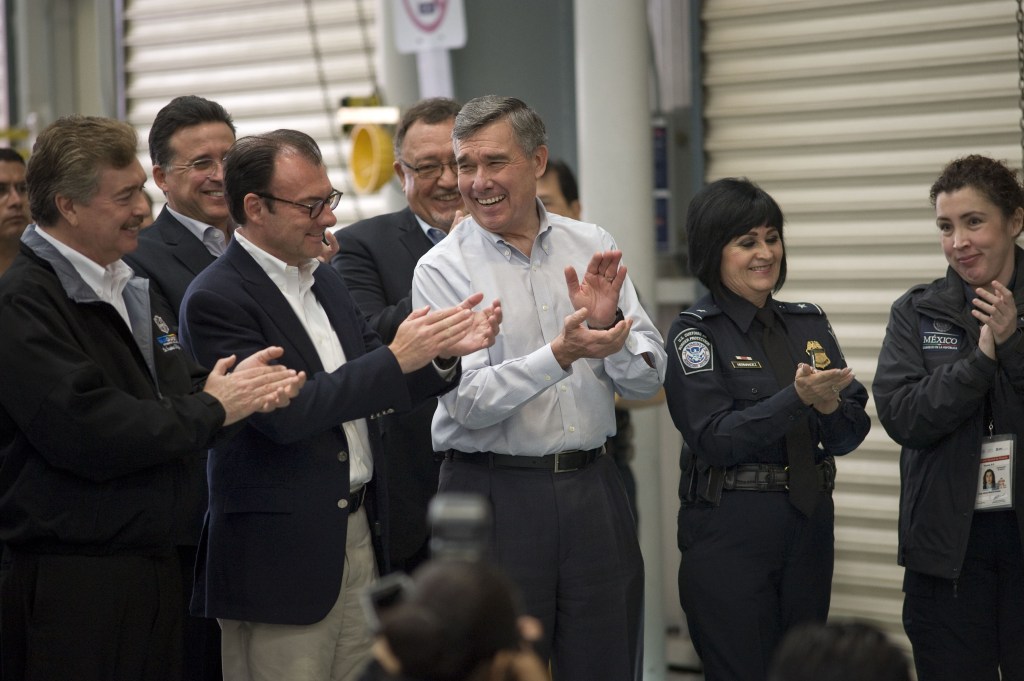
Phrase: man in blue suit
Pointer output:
(295, 527)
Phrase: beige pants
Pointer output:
(336, 648)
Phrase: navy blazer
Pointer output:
(273, 544)
(377, 257)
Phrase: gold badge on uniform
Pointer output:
(819, 360)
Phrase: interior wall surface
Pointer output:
(271, 64)
(523, 49)
(64, 60)
(259, 59)
(846, 111)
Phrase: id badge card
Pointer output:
(995, 474)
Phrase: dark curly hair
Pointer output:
(998, 183)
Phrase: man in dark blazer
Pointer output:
(187, 143)
(297, 520)
(377, 257)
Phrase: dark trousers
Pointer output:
(92, 618)
(568, 542)
(752, 568)
(972, 628)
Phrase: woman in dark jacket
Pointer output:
(950, 389)
(762, 395)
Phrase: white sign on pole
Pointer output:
(422, 25)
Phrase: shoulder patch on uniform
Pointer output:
(694, 351)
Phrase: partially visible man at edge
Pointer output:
(14, 213)
(377, 257)
(99, 406)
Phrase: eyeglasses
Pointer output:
(201, 165)
(5, 189)
(314, 208)
(431, 171)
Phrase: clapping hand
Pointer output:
(997, 311)
(599, 291)
(256, 385)
(820, 389)
(451, 332)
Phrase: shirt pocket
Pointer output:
(748, 386)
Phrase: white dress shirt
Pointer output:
(514, 398)
(107, 282)
(296, 285)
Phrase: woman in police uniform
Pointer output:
(763, 398)
(950, 389)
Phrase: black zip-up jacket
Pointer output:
(94, 421)
(930, 389)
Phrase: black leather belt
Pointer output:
(562, 462)
(771, 477)
(355, 499)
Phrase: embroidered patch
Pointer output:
(938, 335)
(168, 342)
(694, 351)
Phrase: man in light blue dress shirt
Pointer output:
(527, 424)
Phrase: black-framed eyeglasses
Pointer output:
(431, 171)
(201, 165)
(314, 208)
(6, 187)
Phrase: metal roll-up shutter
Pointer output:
(846, 111)
(258, 58)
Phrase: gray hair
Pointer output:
(527, 127)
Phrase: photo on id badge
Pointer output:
(995, 474)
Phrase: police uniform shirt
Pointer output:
(724, 397)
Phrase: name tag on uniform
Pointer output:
(995, 474)
(744, 362)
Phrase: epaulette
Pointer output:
(702, 311)
(798, 308)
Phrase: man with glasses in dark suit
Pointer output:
(187, 143)
(377, 257)
(297, 523)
